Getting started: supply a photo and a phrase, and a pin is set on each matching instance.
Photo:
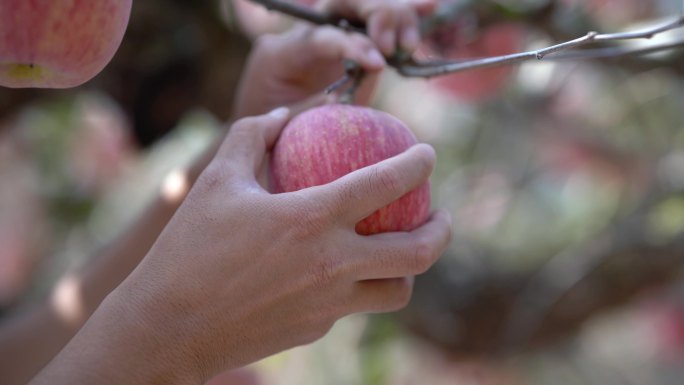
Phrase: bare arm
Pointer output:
(29, 340)
(239, 274)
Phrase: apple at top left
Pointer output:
(58, 43)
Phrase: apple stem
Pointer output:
(353, 76)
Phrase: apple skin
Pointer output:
(58, 44)
(328, 142)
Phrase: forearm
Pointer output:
(33, 337)
(119, 345)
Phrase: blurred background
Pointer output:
(565, 180)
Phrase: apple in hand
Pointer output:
(58, 43)
(328, 142)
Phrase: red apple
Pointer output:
(328, 142)
(616, 13)
(58, 44)
(457, 41)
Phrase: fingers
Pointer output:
(334, 44)
(391, 255)
(248, 140)
(409, 38)
(423, 7)
(381, 295)
(381, 29)
(360, 193)
(390, 24)
(396, 25)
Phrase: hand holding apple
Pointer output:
(58, 44)
(239, 274)
(328, 142)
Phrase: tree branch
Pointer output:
(311, 15)
(409, 67)
(429, 69)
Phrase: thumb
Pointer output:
(244, 149)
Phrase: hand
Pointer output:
(292, 67)
(296, 66)
(391, 24)
(240, 274)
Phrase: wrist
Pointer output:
(121, 343)
(151, 338)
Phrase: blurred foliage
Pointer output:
(565, 180)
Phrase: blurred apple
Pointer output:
(614, 13)
(58, 44)
(665, 317)
(463, 40)
(328, 142)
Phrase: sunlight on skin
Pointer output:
(67, 301)
(175, 186)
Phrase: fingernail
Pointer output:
(279, 113)
(411, 40)
(387, 42)
(375, 58)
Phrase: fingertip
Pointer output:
(387, 42)
(410, 39)
(444, 216)
(425, 152)
(279, 113)
(278, 117)
(374, 60)
(424, 7)
(375, 28)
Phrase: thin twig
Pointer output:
(353, 76)
(615, 52)
(428, 69)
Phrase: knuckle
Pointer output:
(361, 41)
(322, 37)
(426, 158)
(265, 42)
(318, 330)
(214, 177)
(423, 256)
(402, 294)
(242, 127)
(324, 273)
(307, 219)
(396, 296)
